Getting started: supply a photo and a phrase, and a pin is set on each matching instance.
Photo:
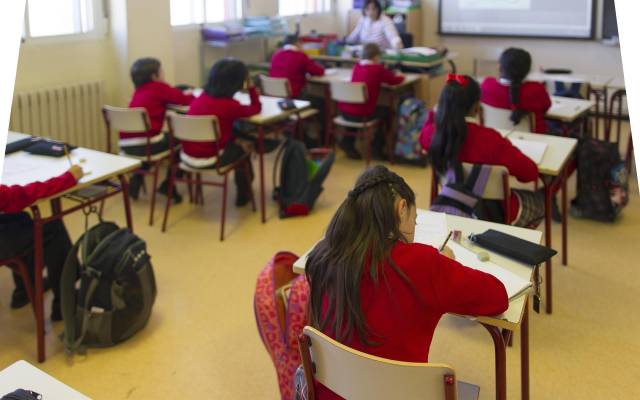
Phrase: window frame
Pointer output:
(332, 8)
(99, 31)
(241, 6)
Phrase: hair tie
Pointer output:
(460, 79)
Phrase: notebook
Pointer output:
(514, 284)
(433, 233)
(534, 150)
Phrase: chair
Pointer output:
(353, 93)
(483, 68)
(135, 120)
(199, 129)
(498, 118)
(617, 114)
(355, 375)
(281, 87)
(497, 187)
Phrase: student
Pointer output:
(226, 77)
(375, 27)
(291, 63)
(16, 233)
(512, 92)
(154, 94)
(374, 290)
(450, 138)
(370, 71)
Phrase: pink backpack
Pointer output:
(280, 306)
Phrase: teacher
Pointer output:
(375, 27)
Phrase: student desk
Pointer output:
(389, 96)
(448, 58)
(595, 81)
(22, 375)
(516, 316)
(554, 170)
(22, 168)
(270, 115)
(568, 110)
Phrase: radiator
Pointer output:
(69, 113)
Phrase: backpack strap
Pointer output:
(71, 346)
(68, 296)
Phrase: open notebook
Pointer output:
(534, 150)
(514, 284)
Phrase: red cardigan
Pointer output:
(228, 110)
(15, 198)
(374, 75)
(403, 316)
(154, 96)
(485, 146)
(533, 98)
(294, 65)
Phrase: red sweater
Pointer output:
(228, 110)
(374, 75)
(402, 319)
(15, 198)
(154, 96)
(533, 98)
(485, 146)
(294, 65)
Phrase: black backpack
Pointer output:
(603, 181)
(116, 290)
(301, 178)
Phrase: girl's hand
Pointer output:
(447, 252)
(76, 171)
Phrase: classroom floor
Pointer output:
(202, 342)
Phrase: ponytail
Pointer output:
(515, 65)
(457, 98)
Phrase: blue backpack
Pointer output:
(412, 114)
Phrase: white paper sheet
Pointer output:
(433, 233)
(534, 150)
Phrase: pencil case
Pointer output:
(513, 247)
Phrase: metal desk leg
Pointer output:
(524, 353)
(565, 177)
(38, 260)
(547, 234)
(261, 159)
(501, 361)
(124, 186)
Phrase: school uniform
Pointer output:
(402, 316)
(484, 145)
(16, 229)
(533, 98)
(224, 151)
(154, 96)
(291, 63)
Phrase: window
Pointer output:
(188, 12)
(61, 17)
(300, 7)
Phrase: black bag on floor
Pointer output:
(116, 289)
(301, 176)
(603, 187)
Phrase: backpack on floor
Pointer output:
(301, 177)
(603, 181)
(412, 114)
(116, 289)
(280, 306)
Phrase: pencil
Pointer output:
(66, 153)
(445, 241)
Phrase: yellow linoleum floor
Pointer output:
(202, 342)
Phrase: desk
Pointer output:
(21, 168)
(568, 110)
(271, 114)
(595, 81)
(415, 64)
(554, 169)
(22, 375)
(516, 316)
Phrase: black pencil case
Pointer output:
(50, 148)
(18, 145)
(513, 247)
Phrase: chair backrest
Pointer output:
(485, 67)
(495, 188)
(498, 118)
(191, 128)
(356, 375)
(125, 119)
(349, 92)
(276, 87)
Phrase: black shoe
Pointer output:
(164, 189)
(242, 201)
(270, 145)
(19, 299)
(135, 183)
(350, 151)
(56, 312)
(556, 215)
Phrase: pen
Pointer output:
(445, 241)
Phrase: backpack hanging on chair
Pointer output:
(280, 306)
(412, 114)
(301, 177)
(116, 291)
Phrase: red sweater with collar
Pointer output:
(485, 146)
(154, 96)
(15, 198)
(374, 75)
(533, 98)
(294, 65)
(403, 316)
(228, 110)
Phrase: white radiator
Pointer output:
(69, 113)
